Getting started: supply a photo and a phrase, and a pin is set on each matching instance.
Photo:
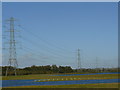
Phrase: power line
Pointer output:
(44, 41)
(49, 50)
(28, 50)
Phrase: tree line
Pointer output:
(53, 70)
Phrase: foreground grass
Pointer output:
(59, 78)
(102, 85)
(36, 76)
(0, 77)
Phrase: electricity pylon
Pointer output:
(12, 62)
(96, 62)
(79, 62)
(97, 68)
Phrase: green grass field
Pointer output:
(60, 78)
(106, 85)
(46, 76)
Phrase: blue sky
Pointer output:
(52, 33)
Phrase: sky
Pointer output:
(52, 32)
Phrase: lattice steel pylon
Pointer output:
(12, 62)
(79, 62)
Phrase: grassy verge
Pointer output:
(102, 85)
(51, 78)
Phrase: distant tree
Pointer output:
(68, 69)
(61, 69)
(54, 69)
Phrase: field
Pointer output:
(49, 77)
(108, 85)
